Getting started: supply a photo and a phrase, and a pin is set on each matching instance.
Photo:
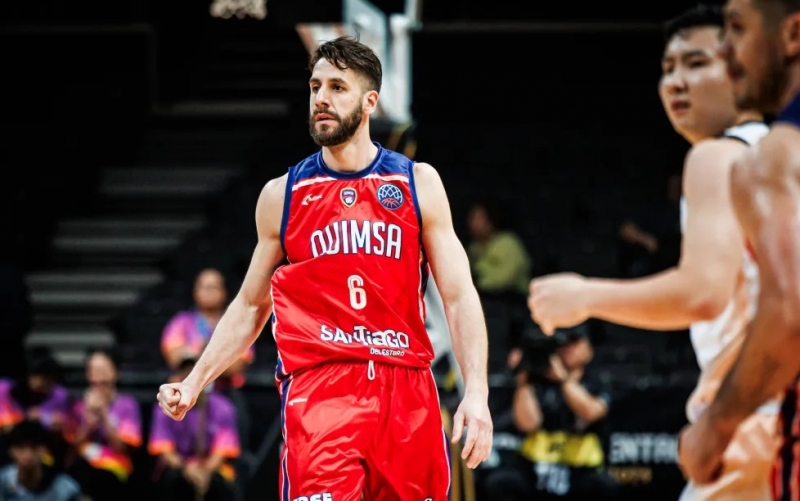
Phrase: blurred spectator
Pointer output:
(652, 239)
(38, 396)
(15, 320)
(562, 410)
(108, 426)
(29, 478)
(195, 454)
(187, 334)
(500, 264)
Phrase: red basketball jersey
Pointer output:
(354, 285)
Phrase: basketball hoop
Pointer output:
(226, 9)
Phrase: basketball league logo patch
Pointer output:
(390, 196)
(348, 196)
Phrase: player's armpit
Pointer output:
(712, 244)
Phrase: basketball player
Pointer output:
(712, 289)
(762, 46)
(358, 225)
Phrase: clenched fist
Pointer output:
(175, 399)
(557, 301)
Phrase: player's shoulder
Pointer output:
(425, 173)
(713, 155)
(707, 167)
(276, 186)
(778, 152)
(716, 149)
(783, 142)
(271, 200)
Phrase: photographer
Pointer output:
(561, 409)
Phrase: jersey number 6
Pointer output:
(358, 297)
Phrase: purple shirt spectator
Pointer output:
(189, 331)
(124, 417)
(53, 411)
(221, 436)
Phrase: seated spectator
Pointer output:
(561, 410)
(651, 240)
(195, 455)
(29, 478)
(38, 396)
(499, 261)
(108, 426)
(187, 334)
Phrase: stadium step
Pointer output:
(161, 191)
(69, 343)
(117, 240)
(164, 182)
(91, 279)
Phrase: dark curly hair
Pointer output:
(348, 52)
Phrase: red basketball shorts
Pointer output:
(350, 430)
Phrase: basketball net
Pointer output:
(227, 9)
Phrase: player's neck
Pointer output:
(748, 116)
(352, 156)
(742, 117)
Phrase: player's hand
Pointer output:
(175, 399)
(473, 414)
(556, 301)
(700, 450)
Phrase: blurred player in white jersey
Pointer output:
(713, 288)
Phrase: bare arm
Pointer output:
(701, 285)
(767, 201)
(450, 268)
(525, 410)
(213, 462)
(586, 406)
(247, 314)
(631, 233)
(172, 459)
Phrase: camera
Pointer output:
(537, 348)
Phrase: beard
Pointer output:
(766, 91)
(339, 133)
